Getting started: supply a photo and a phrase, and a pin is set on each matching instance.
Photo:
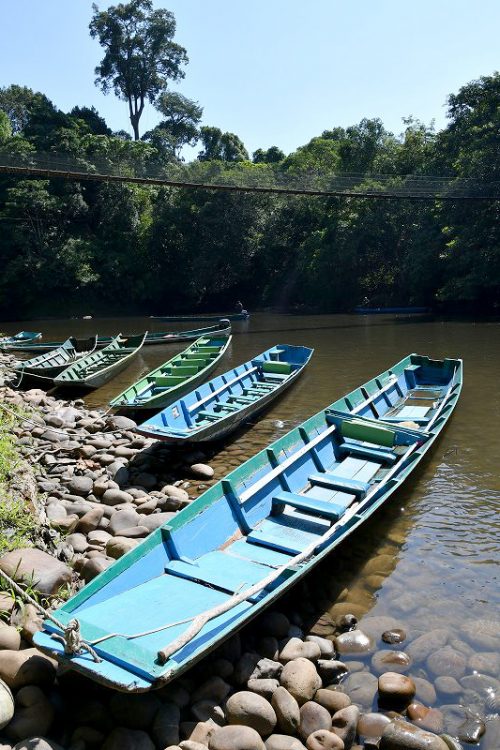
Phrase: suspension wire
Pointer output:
(271, 181)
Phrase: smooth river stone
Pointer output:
(333, 700)
(447, 661)
(287, 710)
(265, 687)
(483, 632)
(395, 690)
(6, 704)
(235, 737)
(390, 661)
(324, 740)
(251, 710)
(372, 725)
(300, 678)
(296, 648)
(281, 742)
(395, 635)
(353, 642)
(312, 718)
(426, 644)
(39, 569)
(344, 724)
(399, 735)
(361, 687)
(326, 647)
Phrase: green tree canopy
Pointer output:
(140, 56)
(219, 146)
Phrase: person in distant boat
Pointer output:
(239, 307)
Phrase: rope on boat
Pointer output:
(71, 636)
(199, 621)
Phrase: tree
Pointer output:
(219, 146)
(140, 56)
(180, 126)
(5, 127)
(272, 155)
(91, 117)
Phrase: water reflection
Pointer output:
(429, 558)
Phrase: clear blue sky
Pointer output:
(276, 72)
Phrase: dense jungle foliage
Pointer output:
(69, 247)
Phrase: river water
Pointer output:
(430, 557)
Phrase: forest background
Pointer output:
(69, 247)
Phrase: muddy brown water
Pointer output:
(429, 558)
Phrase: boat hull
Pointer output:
(129, 400)
(112, 360)
(200, 561)
(221, 405)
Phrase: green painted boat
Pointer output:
(152, 338)
(174, 378)
(51, 363)
(99, 367)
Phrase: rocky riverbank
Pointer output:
(291, 680)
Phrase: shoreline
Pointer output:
(101, 488)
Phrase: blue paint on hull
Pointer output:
(242, 529)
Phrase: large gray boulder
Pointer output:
(40, 570)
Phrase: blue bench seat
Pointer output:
(307, 504)
(369, 452)
(343, 484)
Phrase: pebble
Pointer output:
(33, 716)
(393, 661)
(286, 709)
(248, 709)
(344, 724)
(39, 569)
(301, 679)
(235, 738)
(6, 704)
(447, 662)
(296, 648)
(333, 700)
(10, 638)
(395, 690)
(283, 742)
(396, 635)
(127, 739)
(312, 718)
(399, 735)
(27, 667)
(372, 725)
(354, 642)
(324, 740)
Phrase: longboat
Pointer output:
(223, 327)
(218, 407)
(249, 538)
(23, 337)
(51, 363)
(177, 376)
(99, 367)
(243, 315)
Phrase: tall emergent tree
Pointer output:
(140, 56)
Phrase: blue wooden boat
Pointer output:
(218, 407)
(243, 315)
(250, 537)
(23, 337)
(391, 310)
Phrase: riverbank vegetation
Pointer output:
(73, 247)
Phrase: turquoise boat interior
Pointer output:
(252, 535)
(226, 395)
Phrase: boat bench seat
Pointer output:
(228, 407)
(321, 508)
(243, 399)
(410, 413)
(275, 367)
(344, 484)
(270, 377)
(209, 415)
(367, 451)
(230, 574)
